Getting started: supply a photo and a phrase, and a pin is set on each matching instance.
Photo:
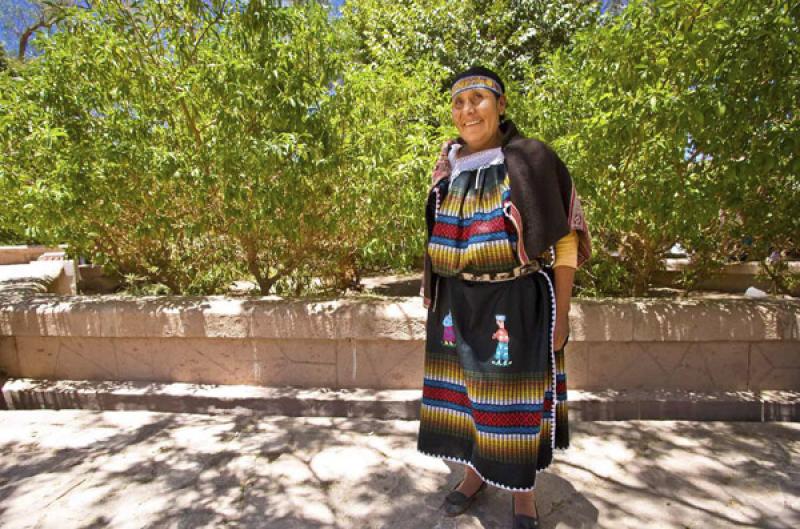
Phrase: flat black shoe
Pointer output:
(457, 502)
(523, 521)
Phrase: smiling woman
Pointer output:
(505, 235)
(477, 113)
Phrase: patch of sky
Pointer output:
(690, 149)
(18, 15)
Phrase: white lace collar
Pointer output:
(476, 160)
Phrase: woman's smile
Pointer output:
(476, 114)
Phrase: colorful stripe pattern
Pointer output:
(507, 417)
(472, 232)
(493, 400)
(504, 422)
(476, 81)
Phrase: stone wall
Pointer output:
(699, 345)
(22, 254)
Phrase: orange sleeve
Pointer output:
(567, 250)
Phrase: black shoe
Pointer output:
(457, 502)
(523, 521)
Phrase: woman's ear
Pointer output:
(501, 104)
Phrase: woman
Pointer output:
(505, 235)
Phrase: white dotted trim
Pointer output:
(489, 481)
(553, 359)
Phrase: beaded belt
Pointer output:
(531, 267)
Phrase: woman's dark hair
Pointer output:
(480, 70)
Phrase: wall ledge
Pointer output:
(402, 318)
(616, 405)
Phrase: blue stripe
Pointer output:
(483, 237)
(446, 385)
(508, 429)
(500, 408)
(476, 217)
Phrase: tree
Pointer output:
(178, 142)
(36, 15)
(679, 121)
(511, 36)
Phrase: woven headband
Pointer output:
(475, 81)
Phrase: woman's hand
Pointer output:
(560, 333)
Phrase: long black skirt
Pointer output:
(494, 394)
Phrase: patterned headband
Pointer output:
(476, 81)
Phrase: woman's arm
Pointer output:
(565, 276)
(566, 256)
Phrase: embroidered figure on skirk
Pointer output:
(449, 335)
(501, 335)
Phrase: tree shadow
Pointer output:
(252, 470)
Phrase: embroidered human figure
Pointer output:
(449, 337)
(501, 335)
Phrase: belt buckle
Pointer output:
(529, 268)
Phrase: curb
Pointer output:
(31, 394)
(609, 405)
(685, 405)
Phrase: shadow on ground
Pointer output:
(85, 469)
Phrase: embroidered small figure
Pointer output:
(501, 335)
(449, 337)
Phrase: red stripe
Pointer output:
(561, 387)
(447, 395)
(571, 204)
(521, 418)
(456, 233)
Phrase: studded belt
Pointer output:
(523, 270)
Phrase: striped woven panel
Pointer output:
(507, 418)
(471, 232)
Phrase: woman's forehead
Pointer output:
(472, 91)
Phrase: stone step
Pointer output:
(610, 405)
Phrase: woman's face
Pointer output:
(476, 114)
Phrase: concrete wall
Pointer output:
(22, 254)
(734, 277)
(708, 345)
(54, 276)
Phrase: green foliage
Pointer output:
(184, 145)
(511, 36)
(679, 121)
(177, 142)
(388, 120)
